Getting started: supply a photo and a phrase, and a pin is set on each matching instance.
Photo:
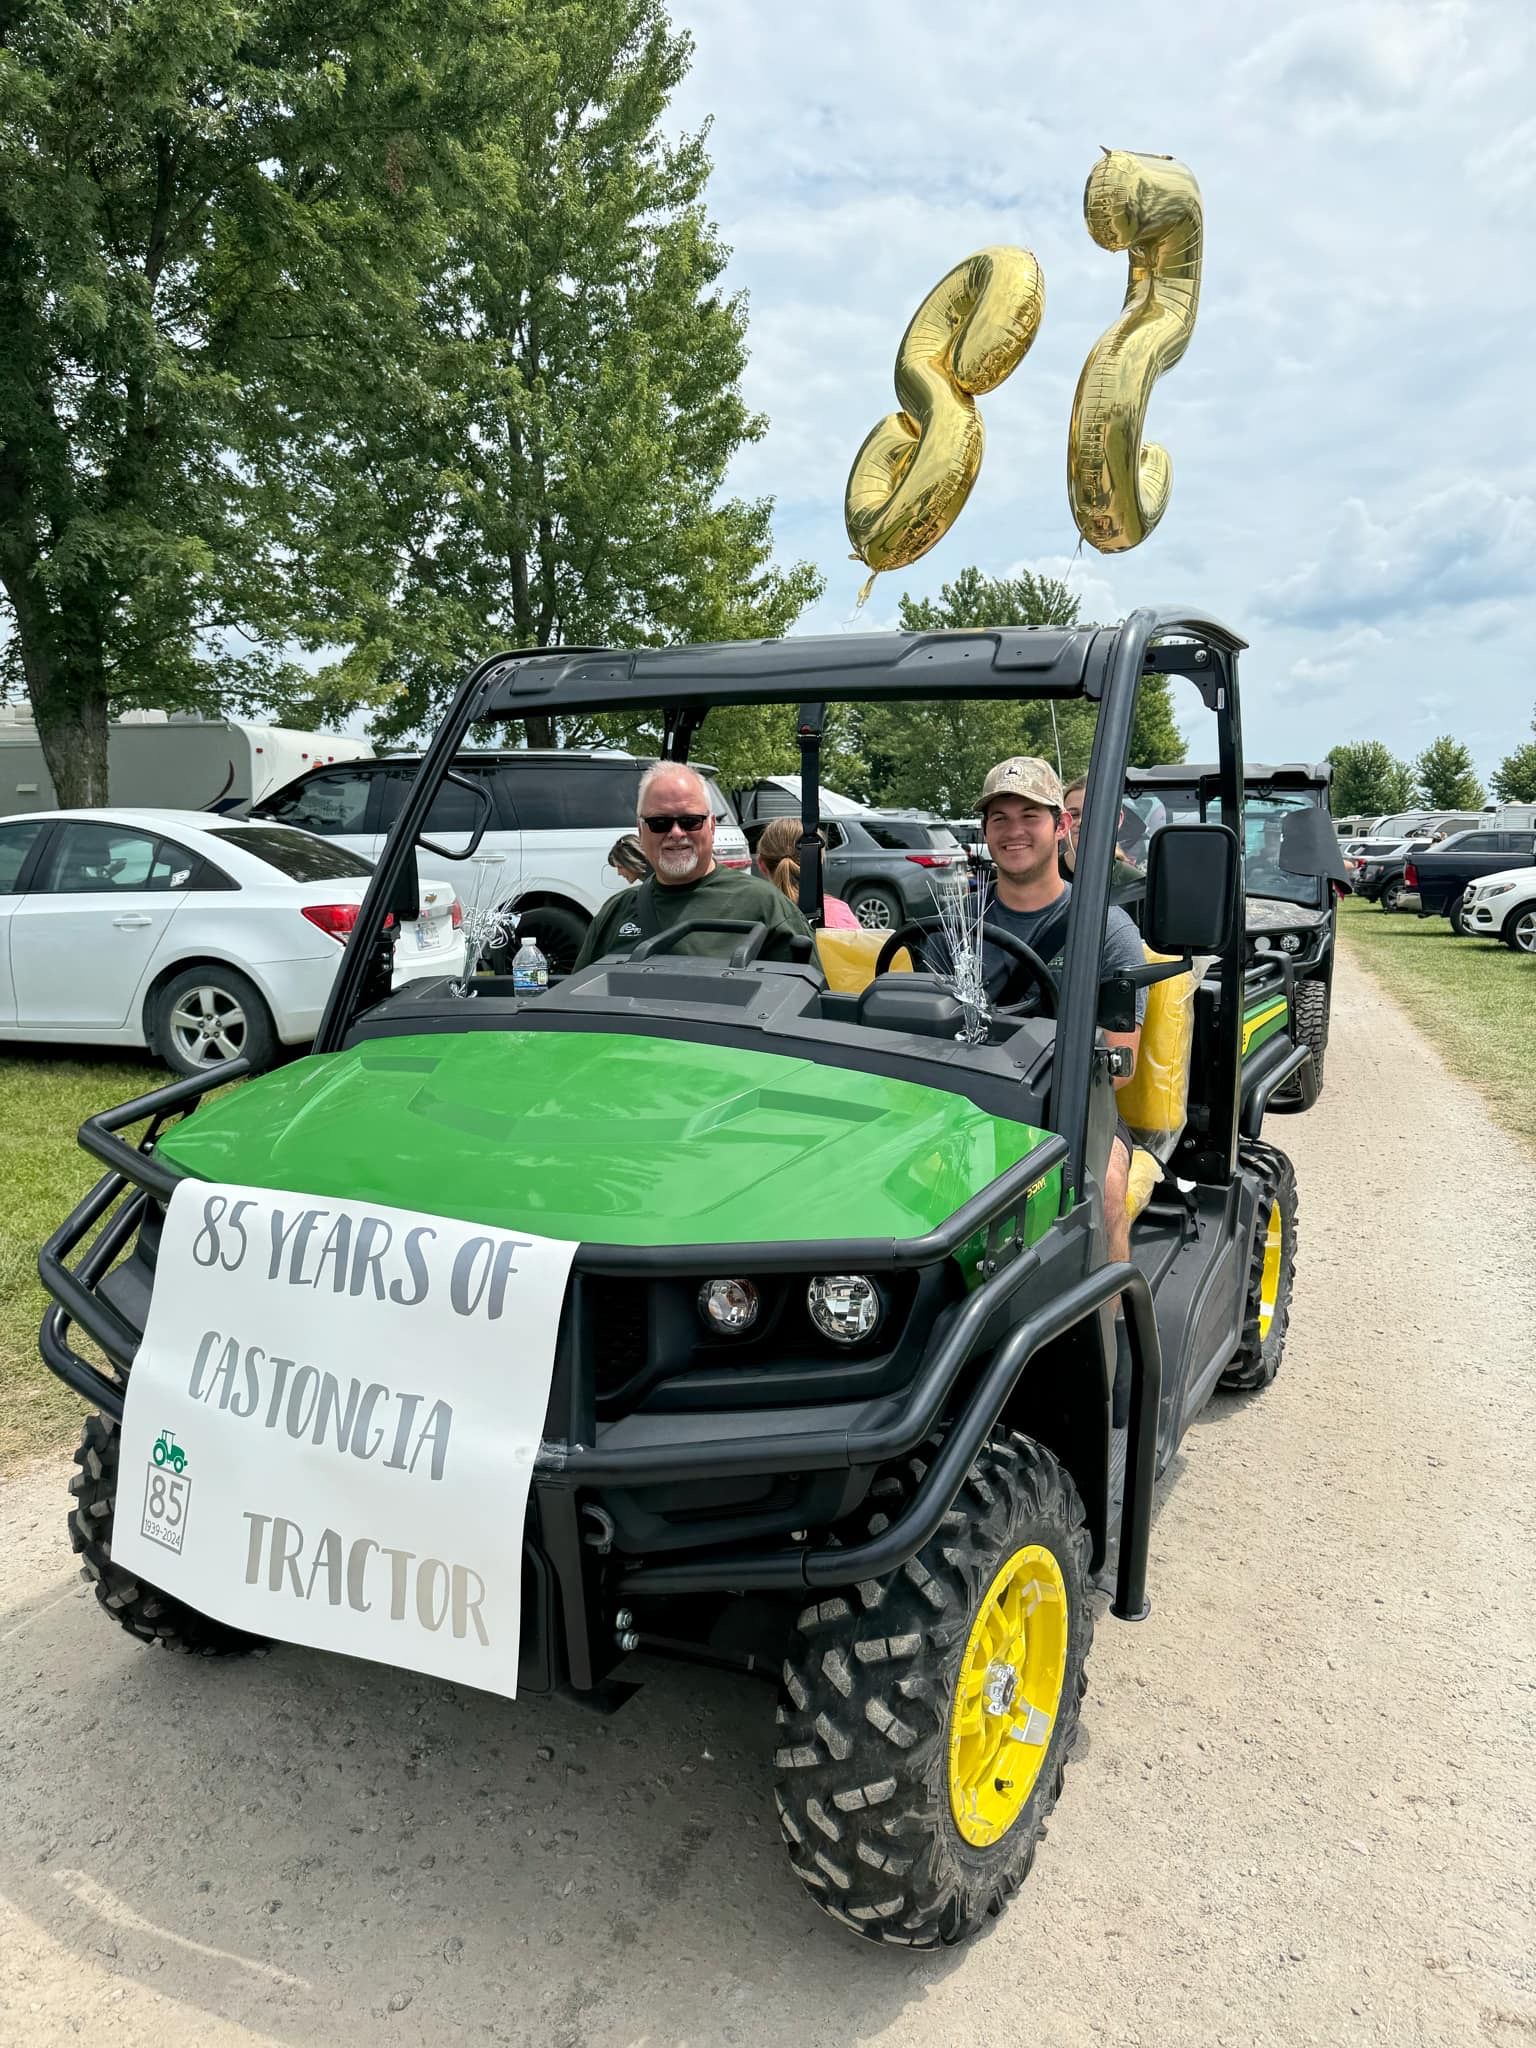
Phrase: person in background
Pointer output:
(627, 858)
(1125, 870)
(777, 858)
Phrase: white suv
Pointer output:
(545, 851)
(1503, 907)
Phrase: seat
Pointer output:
(1155, 1101)
(848, 959)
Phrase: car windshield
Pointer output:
(1263, 830)
(1263, 827)
(296, 855)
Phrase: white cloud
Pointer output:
(1461, 545)
(1314, 675)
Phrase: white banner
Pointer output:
(330, 1428)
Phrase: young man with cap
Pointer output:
(1023, 816)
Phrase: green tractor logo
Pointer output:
(168, 1452)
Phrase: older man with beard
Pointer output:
(677, 836)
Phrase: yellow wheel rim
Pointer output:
(1269, 1280)
(1007, 1695)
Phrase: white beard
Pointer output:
(679, 864)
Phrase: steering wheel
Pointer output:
(1038, 978)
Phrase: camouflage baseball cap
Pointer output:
(1026, 776)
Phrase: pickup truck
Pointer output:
(1442, 875)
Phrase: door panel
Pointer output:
(83, 938)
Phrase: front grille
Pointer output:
(616, 1327)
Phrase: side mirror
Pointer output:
(1192, 888)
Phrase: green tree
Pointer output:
(562, 483)
(1368, 780)
(1514, 780)
(936, 756)
(211, 215)
(1447, 781)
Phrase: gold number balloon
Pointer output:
(914, 473)
(1150, 205)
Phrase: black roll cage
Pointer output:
(1103, 664)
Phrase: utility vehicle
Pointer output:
(1294, 872)
(893, 1486)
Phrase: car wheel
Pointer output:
(1391, 897)
(1309, 1027)
(926, 1718)
(557, 934)
(154, 1617)
(1271, 1272)
(1520, 930)
(877, 909)
(207, 1015)
(1454, 917)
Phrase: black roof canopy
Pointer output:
(1008, 661)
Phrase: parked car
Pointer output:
(204, 939)
(1441, 874)
(889, 866)
(1502, 906)
(1379, 873)
(545, 850)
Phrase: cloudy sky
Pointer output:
(1351, 428)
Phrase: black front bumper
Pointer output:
(1030, 1299)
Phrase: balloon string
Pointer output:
(863, 596)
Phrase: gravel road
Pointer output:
(1300, 1812)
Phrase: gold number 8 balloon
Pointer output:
(911, 478)
(1150, 205)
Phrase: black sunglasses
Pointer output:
(685, 821)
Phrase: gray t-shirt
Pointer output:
(1122, 942)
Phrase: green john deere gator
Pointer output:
(897, 1485)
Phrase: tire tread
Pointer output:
(864, 1724)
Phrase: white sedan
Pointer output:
(198, 936)
(1502, 907)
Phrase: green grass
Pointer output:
(1473, 997)
(44, 1098)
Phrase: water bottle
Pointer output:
(530, 970)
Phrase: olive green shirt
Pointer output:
(650, 906)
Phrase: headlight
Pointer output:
(1498, 889)
(1291, 942)
(1262, 943)
(729, 1306)
(843, 1306)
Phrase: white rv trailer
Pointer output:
(182, 761)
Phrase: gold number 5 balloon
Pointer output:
(1150, 205)
(914, 473)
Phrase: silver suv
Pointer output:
(889, 866)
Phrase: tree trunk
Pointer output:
(541, 729)
(72, 726)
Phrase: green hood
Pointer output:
(610, 1139)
